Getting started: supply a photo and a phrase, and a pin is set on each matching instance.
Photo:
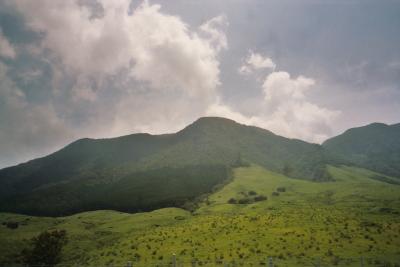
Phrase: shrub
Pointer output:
(252, 193)
(12, 225)
(281, 189)
(245, 201)
(275, 194)
(46, 248)
(260, 198)
(232, 201)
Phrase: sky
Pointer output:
(303, 69)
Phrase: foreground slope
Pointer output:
(142, 172)
(375, 146)
(336, 222)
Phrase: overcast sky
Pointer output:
(302, 69)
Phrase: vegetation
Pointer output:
(136, 192)
(375, 147)
(337, 222)
(46, 249)
(247, 198)
(142, 172)
(219, 192)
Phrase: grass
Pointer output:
(337, 222)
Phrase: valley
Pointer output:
(299, 223)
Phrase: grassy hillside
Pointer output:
(143, 172)
(375, 146)
(336, 222)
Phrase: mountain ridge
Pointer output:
(131, 168)
(188, 163)
(375, 146)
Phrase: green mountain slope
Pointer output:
(143, 172)
(335, 223)
(375, 147)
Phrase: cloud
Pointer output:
(26, 130)
(83, 91)
(6, 49)
(286, 109)
(159, 49)
(279, 87)
(115, 69)
(215, 28)
(170, 56)
(255, 61)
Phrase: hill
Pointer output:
(142, 172)
(334, 223)
(375, 147)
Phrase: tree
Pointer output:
(287, 169)
(239, 162)
(46, 248)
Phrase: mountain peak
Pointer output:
(210, 124)
(213, 119)
(377, 124)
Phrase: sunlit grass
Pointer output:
(337, 222)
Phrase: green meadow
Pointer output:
(257, 215)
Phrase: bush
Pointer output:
(12, 225)
(275, 194)
(245, 201)
(281, 189)
(260, 198)
(46, 248)
(232, 201)
(252, 193)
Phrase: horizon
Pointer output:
(169, 133)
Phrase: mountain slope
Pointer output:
(144, 172)
(375, 147)
(333, 222)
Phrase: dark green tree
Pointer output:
(287, 169)
(45, 249)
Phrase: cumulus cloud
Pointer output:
(291, 112)
(286, 109)
(159, 49)
(256, 61)
(6, 49)
(279, 87)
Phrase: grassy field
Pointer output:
(299, 223)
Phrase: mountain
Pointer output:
(375, 147)
(292, 221)
(142, 172)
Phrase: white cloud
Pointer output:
(279, 87)
(159, 49)
(215, 28)
(287, 110)
(255, 61)
(169, 56)
(6, 49)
